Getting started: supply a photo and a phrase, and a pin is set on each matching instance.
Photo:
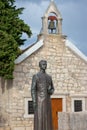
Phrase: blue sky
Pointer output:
(74, 14)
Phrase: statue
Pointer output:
(41, 90)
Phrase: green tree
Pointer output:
(11, 30)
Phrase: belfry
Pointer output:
(52, 20)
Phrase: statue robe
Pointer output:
(41, 89)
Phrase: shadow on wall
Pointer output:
(6, 84)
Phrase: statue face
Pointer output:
(43, 65)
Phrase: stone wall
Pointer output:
(12, 108)
(5, 102)
(68, 71)
(72, 121)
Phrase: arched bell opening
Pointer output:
(52, 23)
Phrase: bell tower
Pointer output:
(52, 20)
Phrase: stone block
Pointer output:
(5, 128)
(19, 128)
(29, 128)
(72, 121)
(63, 121)
(1, 128)
(78, 121)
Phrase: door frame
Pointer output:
(63, 101)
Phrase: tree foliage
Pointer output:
(11, 30)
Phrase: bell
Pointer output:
(51, 26)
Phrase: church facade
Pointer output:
(65, 63)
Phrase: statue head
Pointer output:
(43, 64)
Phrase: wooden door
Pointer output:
(56, 107)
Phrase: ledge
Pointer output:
(78, 95)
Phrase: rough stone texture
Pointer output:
(63, 121)
(73, 121)
(69, 74)
(5, 128)
(19, 128)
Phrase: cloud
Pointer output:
(32, 13)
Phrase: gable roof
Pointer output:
(40, 43)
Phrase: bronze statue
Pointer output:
(41, 90)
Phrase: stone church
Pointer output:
(65, 63)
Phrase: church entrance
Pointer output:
(56, 107)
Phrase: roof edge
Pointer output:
(30, 51)
(71, 46)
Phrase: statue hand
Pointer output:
(50, 90)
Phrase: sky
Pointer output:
(74, 14)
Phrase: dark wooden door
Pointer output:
(56, 107)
